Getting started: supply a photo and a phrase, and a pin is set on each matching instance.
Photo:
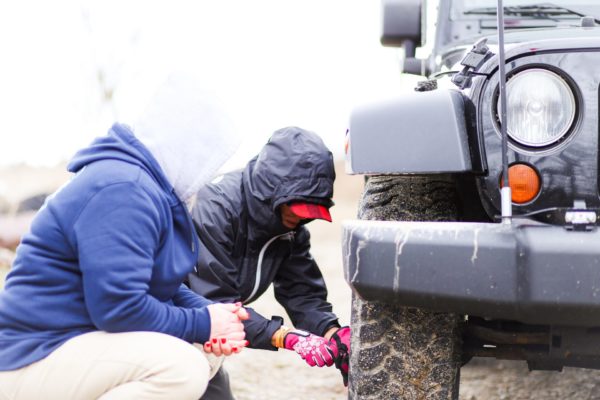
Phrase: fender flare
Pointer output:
(416, 133)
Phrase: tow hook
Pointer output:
(579, 218)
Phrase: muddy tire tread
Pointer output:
(398, 352)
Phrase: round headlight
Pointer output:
(541, 107)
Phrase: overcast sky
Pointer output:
(71, 68)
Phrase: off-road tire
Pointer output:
(400, 352)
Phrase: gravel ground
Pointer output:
(258, 375)
(484, 379)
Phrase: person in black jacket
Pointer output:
(251, 228)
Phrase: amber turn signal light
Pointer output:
(524, 183)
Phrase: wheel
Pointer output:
(401, 352)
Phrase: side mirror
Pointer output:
(402, 27)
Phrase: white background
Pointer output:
(70, 68)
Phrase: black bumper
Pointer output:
(532, 273)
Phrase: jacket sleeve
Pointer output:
(116, 235)
(299, 287)
(217, 275)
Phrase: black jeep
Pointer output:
(438, 277)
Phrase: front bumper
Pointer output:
(528, 272)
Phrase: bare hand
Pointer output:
(227, 331)
(224, 347)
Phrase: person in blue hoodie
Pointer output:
(94, 306)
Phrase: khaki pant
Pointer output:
(107, 366)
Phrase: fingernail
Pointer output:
(208, 345)
(223, 340)
(215, 340)
(247, 343)
(234, 348)
(239, 304)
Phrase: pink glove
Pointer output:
(312, 348)
(340, 345)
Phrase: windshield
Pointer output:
(462, 9)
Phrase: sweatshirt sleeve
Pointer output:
(300, 288)
(116, 235)
(188, 299)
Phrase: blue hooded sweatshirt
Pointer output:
(108, 251)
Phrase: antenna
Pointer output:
(505, 193)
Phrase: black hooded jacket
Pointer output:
(244, 247)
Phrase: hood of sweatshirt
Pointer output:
(120, 144)
(187, 130)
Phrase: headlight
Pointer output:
(541, 107)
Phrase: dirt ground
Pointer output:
(258, 375)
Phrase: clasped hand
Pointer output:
(226, 329)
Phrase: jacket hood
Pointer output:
(120, 144)
(295, 164)
(189, 133)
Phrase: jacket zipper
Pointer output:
(283, 236)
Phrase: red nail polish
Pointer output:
(215, 340)
(234, 348)
(247, 343)
(208, 345)
(223, 340)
